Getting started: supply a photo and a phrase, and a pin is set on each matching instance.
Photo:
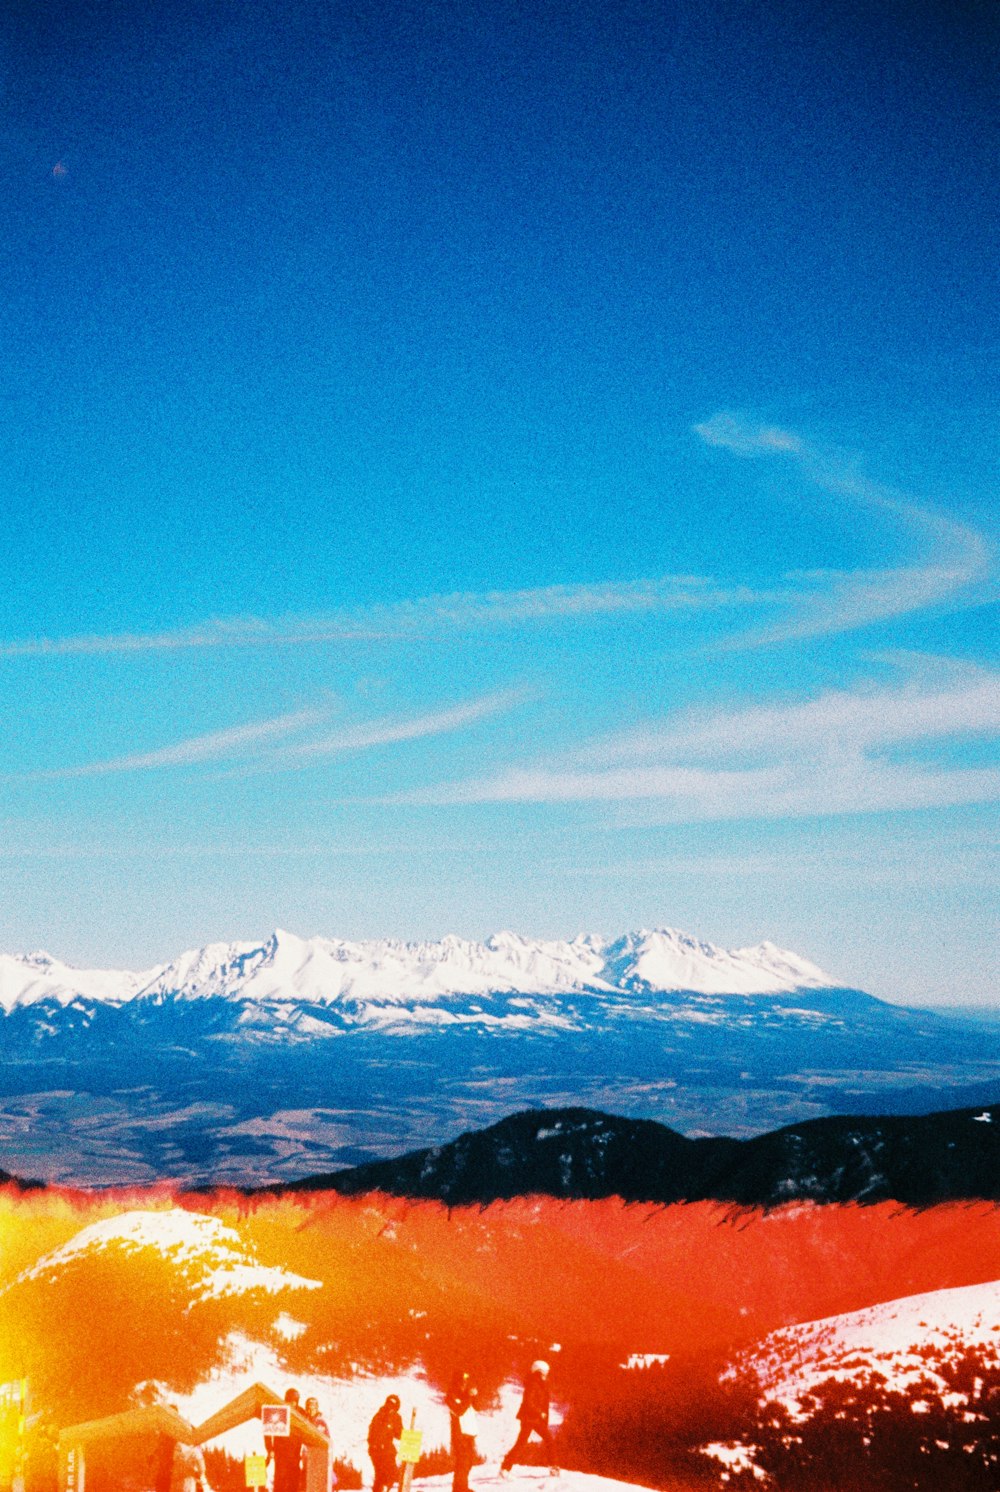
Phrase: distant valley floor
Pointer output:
(203, 1094)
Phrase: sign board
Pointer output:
(255, 1471)
(409, 1444)
(276, 1419)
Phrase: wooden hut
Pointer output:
(137, 1434)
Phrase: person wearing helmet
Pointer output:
(383, 1432)
(534, 1417)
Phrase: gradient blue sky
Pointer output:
(465, 468)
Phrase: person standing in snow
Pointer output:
(534, 1417)
(461, 1402)
(314, 1417)
(383, 1432)
(286, 1451)
(465, 1443)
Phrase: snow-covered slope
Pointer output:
(326, 970)
(670, 960)
(906, 1340)
(213, 1259)
(29, 978)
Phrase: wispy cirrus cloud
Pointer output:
(212, 746)
(688, 794)
(387, 731)
(823, 602)
(958, 701)
(734, 433)
(421, 617)
(266, 744)
(836, 753)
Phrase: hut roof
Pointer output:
(158, 1419)
(247, 1405)
(149, 1419)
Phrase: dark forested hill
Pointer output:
(582, 1153)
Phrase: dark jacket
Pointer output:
(534, 1408)
(386, 1427)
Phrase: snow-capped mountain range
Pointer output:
(327, 970)
(257, 1061)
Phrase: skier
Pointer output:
(534, 1417)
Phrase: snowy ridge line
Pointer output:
(327, 970)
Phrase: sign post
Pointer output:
(408, 1445)
(255, 1471)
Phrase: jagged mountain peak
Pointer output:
(665, 958)
(37, 959)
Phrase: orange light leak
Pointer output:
(413, 1285)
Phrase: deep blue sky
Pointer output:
(465, 468)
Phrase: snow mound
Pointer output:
(212, 1257)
